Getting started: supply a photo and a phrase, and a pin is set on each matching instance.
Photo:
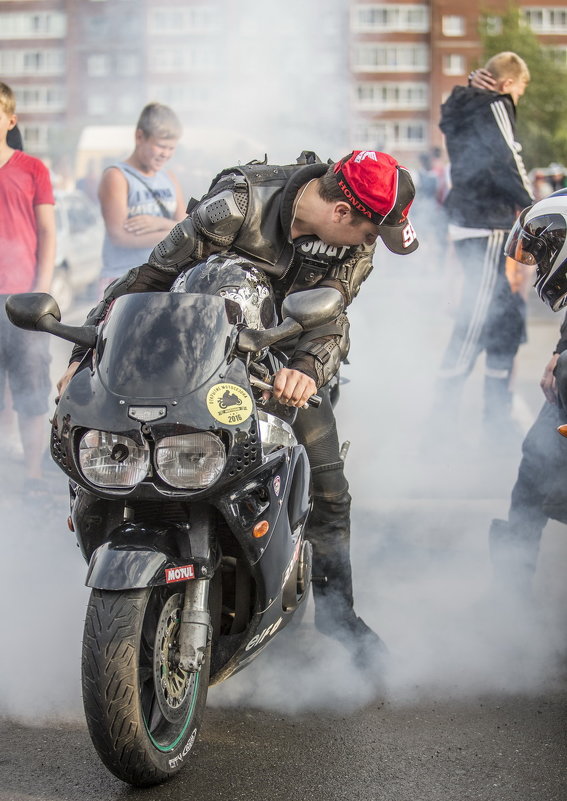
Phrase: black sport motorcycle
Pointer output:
(189, 497)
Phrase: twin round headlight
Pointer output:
(187, 461)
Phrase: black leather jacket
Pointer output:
(248, 211)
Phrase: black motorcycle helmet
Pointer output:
(539, 237)
(245, 288)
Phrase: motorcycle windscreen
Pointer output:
(162, 344)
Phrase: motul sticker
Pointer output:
(179, 573)
(229, 403)
(277, 485)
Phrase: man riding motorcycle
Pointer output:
(308, 224)
(538, 238)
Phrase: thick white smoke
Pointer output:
(421, 514)
(420, 519)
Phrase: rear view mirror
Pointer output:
(301, 311)
(313, 307)
(38, 311)
(28, 309)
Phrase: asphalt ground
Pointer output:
(472, 702)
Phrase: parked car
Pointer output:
(80, 233)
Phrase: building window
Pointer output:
(190, 58)
(391, 135)
(44, 24)
(453, 25)
(391, 58)
(179, 21)
(381, 17)
(32, 62)
(98, 65)
(546, 20)
(36, 137)
(384, 96)
(454, 64)
(40, 99)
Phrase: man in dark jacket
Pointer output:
(489, 186)
(308, 224)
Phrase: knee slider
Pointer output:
(329, 481)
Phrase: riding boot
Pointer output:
(328, 530)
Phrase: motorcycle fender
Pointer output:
(134, 557)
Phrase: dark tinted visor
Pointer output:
(537, 241)
(521, 245)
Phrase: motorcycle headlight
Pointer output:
(111, 460)
(190, 461)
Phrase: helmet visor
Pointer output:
(523, 246)
(539, 242)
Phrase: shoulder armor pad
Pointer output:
(219, 217)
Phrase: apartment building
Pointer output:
(407, 56)
(371, 74)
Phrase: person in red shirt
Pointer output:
(27, 260)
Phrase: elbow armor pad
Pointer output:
(328, 349)
(176, 250)
(215, 219)
(219, 218)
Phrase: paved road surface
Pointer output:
(473, 703)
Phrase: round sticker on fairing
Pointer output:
(229, 403)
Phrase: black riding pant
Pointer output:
(540, 491)
(328, 526)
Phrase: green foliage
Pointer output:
(542, 111)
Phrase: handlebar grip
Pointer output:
(314, 400)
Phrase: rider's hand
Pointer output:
(482, 79)
(292, 387)
(547, 383)
(66, 377)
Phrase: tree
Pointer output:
(542, 115)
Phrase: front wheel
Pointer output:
(143, 711)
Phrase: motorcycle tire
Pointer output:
(143, 712)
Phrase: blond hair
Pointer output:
(507, 65)
(7, 99)
(159, 121)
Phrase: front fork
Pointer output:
(196, 629)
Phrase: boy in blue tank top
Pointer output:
(139, 200)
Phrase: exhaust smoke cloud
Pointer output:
(420, 519)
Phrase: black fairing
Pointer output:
(172, 351)
(164, 350)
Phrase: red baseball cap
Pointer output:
(383, 190)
